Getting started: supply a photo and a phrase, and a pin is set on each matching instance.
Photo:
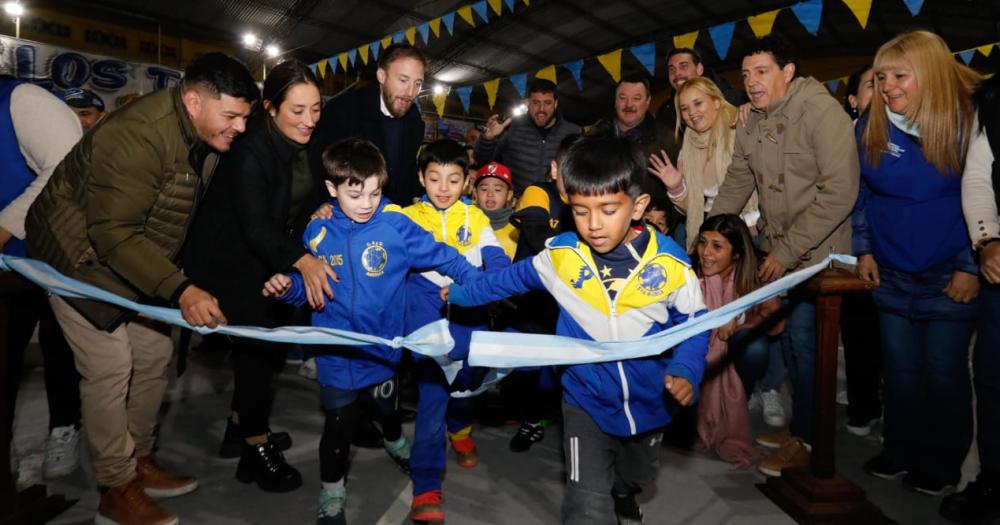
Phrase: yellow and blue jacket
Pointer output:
(624, 398)
(466, 228)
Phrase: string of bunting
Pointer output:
(809, 14)
(469, 13)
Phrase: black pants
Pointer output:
(342, 408)
(859, 330)
(62, 381)
(254, 365)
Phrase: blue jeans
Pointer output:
(928, 395)
(798, 344)
(757, 357)
(986, 375)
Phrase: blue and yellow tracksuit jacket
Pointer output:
(467, 229)
(624, 398)
(372, 260)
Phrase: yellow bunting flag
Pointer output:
(986, 50)
(439, 101)
(411, 35)
(763, 23)
(495, 5)
(387, 41)
(491, 90)
(527, 2)
(343, 61)
(861, 10)
(322, 68)
(613, 63)
(548, 73)
(686, 40)
(363, 51)
(436, 27)
(466, 14)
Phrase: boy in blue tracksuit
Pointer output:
(372, 247)
(455, 221)
(615, 279)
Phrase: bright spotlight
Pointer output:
(438, 89)
(250, 41)
(14, 9)
(272, 50)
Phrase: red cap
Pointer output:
(495, 169)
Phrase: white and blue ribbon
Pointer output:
(507, 350)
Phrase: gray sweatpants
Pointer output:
(598, 464)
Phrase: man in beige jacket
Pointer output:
(798, 151)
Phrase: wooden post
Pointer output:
(818, 494)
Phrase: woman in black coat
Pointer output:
(248, 229)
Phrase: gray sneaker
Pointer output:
(331, 510)
(62, 452)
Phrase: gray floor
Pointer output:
(506, 488)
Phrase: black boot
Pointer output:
(265, 465)
(979, 503)
(232, 441)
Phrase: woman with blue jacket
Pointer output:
(910, 237)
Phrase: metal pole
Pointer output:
(17, 27)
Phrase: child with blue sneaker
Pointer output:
(616, 279)
(453, 220)
(372, 247)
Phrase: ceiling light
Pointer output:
(250, 41)
(14, 8)
(438, 89)
(272, 50)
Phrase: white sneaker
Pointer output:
(308, 368)
(62, 452)
(774, 414)
(842, 397)
(754, 404)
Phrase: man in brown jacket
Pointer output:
(114, 214)
(798, 151)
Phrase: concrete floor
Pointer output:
(506, 488)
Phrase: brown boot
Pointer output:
(159, 483)
(129, 505)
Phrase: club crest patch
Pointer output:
(373, 259)
(463, 235)
(652, 279)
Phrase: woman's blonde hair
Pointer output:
(720, 133)
(943, 109)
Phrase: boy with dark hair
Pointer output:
(456, 221)
(373, 247)
(617, 279)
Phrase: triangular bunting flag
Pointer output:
(352, 56)
(527, 2)
(861, 10)
(425, 32)
(322, 68)
(480, 9)
(376, 47)
(466, 14)
(436, 27)
(548, 73)
(575, 68)
(986, 50)
(495, 5)
(613, 63)
(510, 5)
(465, 95)
(833, 85)
(333, 62)
(386, 41)
(686, 40)
(449, 22)
(914, 6)
(763, 23)
(315, 69)
(646, 55)
(439, 102)
(809, 14)
(722, 36)
(397, 37)
(343, 61)
(363, 50)
(411, 35)
(967, 56)
(491, 87)
(520, 82)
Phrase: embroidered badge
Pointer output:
(652, 279)
(464, 236)
(373, 259)
(585, 274)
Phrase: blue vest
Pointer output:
(16, 176)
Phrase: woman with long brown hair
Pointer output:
(910, 237)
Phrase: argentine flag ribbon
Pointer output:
(505, 350)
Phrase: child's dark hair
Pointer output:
(443, 152)
(603, 164)
(353, 160)
(736, 232)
